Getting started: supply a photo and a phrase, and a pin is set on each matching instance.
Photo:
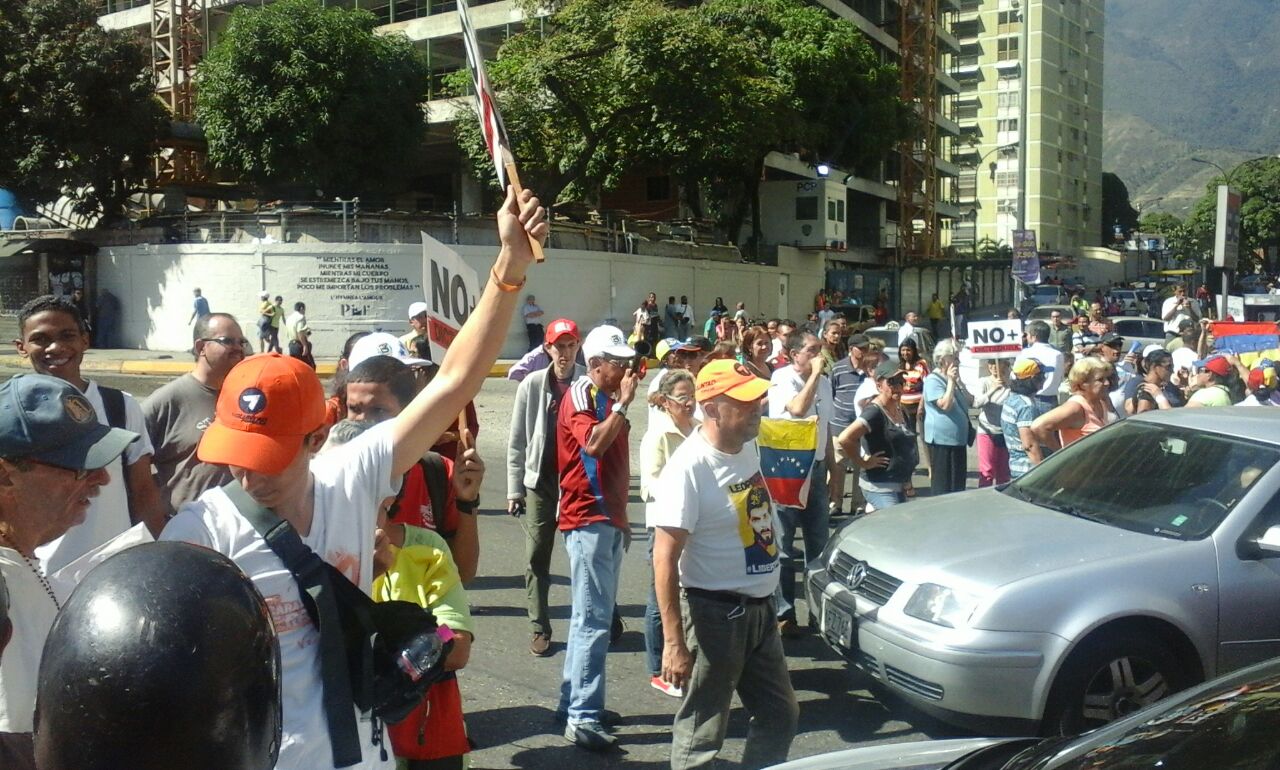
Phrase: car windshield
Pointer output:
(1148, 477)
(1224, 728)
(1152, 329)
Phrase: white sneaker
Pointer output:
(665, 688)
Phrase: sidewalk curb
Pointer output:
(173, 368)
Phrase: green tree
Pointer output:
(1259, 185)
(704, 91)
(78, 113)
(1116, 208)
(1159, 222)
(295, 93)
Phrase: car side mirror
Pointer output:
(1267, 544)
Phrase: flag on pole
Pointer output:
(495, 134)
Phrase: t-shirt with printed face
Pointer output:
(349, 483)
(721, 500)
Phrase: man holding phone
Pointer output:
(595, 479)
(1174, 309)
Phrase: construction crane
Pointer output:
(179, 29)
(917, 170)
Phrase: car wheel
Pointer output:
(1111, 678)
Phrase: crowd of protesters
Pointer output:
(380, 478)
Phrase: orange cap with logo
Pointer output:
(267, 405)
(726, 377)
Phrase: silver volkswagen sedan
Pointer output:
(1132, 564)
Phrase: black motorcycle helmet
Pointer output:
(164, 657)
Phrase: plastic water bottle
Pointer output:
(424, 652)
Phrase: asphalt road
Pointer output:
(510, 696)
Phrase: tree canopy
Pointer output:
(1259, 185)
(78, 112)
(295, 93)
(1116, 208)
(704, 91)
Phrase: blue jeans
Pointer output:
(595, 558)
(881, 500)
(653, 639)
(815, 520)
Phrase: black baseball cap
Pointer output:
(46, 419)
(697, 343)
(1111, 339)
(859, 341)
(888, 370)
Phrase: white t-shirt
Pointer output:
(295, 323)
(1048, 357)
(824, 315)
(865, 392)
(904, 332)
(32, 613)
(785, 384)
(1167, 307)
(349, 483)
(531, 313)
(108, 513)
(721, 501)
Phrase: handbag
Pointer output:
(379, 656)
(973, 434)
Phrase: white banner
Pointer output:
(452, 289)
(995, 339)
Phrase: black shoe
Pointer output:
(590, 736)
(616, 629)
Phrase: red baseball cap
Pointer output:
(561, 327)
(267, 405)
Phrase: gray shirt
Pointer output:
(177, 415)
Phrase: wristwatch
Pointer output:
(619, 409)
(467, 506)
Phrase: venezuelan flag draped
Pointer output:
(787, 448)
(1244, 337)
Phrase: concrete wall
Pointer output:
(352, 287)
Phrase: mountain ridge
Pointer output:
(1186, 79)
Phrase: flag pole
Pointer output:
(513, 178)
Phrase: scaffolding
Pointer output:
(917, 154)
(178, 31)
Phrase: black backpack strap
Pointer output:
(436, 476)
(113, 405)
(310, 572)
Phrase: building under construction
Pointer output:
(891, 212)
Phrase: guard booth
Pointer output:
(34, 263)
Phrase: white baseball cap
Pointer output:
(608, 341)
(382, 344)
(417, 309)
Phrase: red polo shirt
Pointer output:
(591, 488)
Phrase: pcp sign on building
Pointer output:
(995, 339)
(452, 289)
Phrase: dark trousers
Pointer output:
(949, 466)
(735, 648)
(536, 334)
(539, 541)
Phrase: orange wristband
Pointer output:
(502, 285)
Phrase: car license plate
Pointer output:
(837, 626)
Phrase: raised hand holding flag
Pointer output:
(495, 133)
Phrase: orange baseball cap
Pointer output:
(267, 405)
(726, 377)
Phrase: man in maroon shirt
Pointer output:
(595, 476)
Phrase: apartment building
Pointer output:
(1030, 115)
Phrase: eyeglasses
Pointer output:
(682, 400)
(230, 342)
